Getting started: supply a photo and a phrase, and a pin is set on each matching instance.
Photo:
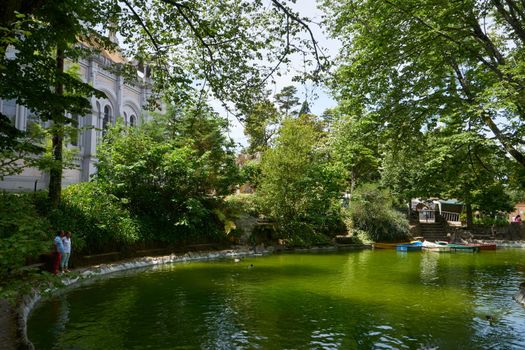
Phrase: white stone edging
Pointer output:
(30, 300)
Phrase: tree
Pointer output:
(430, 62)
(287, 100)
(172, 171)
(213, 43)
(448, 164)
(299, 183)
(261, 125)
(354, 144)
(17, 148)
(33, 70)
(305, 108)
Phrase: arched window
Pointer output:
(107, 118)
(132, 120)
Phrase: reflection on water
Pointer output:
(355, 300)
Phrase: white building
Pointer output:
(122, 100)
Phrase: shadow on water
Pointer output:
(362, 300)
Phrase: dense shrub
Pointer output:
(99, 220)
(486, 220)
(171, 175)
(371, 211)
(23, 232)
(243, 203)
(301, 234)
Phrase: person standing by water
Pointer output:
(66, 241)
(59, 250)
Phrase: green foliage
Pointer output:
(18, 148)
(446, 164)
(243, 203)
(250, 173)
(171, 173)
(497, 220)
(100, 222)
(302, 234)
(24, 233)
(371, 211)
(233, 47)
(354, 143)
(300, 185)
(433, 63)
(260, 125)
(287, 100)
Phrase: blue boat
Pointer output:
(412, 247)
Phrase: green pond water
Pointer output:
(347, 300)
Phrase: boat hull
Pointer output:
(438, 249)
(408, 248)
(388, 245)
(484, 246)
(463, 248)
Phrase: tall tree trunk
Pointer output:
(469, 215)
(57, 131)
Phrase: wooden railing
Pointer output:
(427, 215)
(450, 216)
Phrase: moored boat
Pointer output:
(468, 248)
(381, 245)
(463, 248)
(415, 246)
(434, 247)
(483, 246)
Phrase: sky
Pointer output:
(322, 99)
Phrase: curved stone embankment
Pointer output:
(29, 301)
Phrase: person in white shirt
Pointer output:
(66, 241)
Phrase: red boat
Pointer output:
(483, 246)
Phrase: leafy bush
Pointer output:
(243, 203)
(171, 176)
(485, 220)
(371, 211)
(99, 220)
(301, 234)
(250, 173)
(23, 232)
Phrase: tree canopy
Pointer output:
(423, 63)
(227, 49)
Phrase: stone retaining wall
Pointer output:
(511, 232)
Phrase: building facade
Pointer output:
(122, 100)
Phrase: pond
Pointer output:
(346, 300)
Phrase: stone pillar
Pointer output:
(119, 88)
(21, 117)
